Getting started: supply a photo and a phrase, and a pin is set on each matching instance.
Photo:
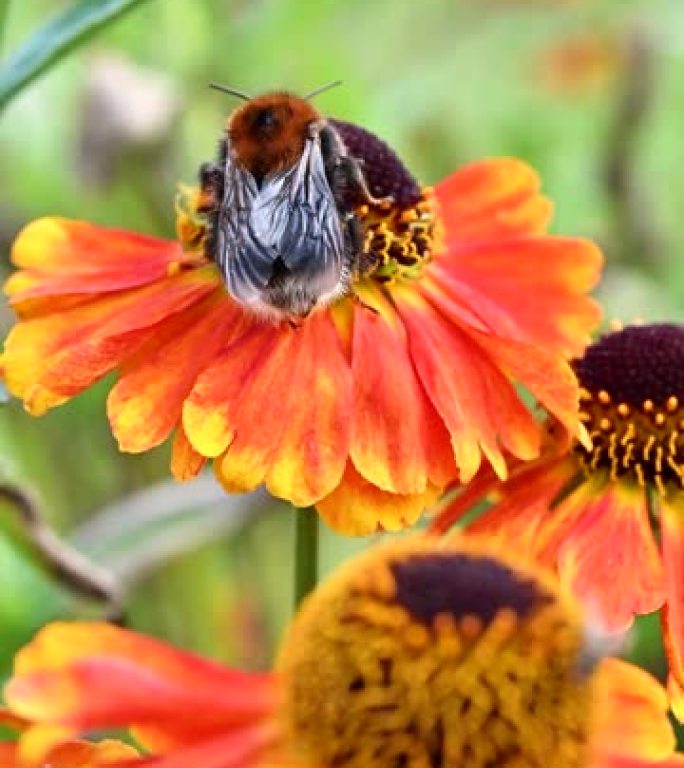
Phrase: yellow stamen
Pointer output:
(646, 448)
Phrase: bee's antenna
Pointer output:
(232, 91)
(322, 88)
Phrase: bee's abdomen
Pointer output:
(384, 172)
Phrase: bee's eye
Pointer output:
(265, 120)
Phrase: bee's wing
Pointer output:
(245, 263)
(295, 216)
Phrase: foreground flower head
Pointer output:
(372, 404)
(423, 652)
(593, 513)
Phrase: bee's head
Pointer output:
(268, 132)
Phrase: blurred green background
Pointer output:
(590, 93)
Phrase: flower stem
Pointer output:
(306, 552)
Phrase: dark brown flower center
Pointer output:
(385, 174)
(458, 586)
(632, 403)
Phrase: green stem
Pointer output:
(306, 552)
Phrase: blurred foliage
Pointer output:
(590, 93)
(54, 39)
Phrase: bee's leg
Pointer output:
(350, 170)
(211, 180)
(358, 300)
(349, 183)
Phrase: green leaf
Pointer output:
(54, 39)
(135, 535)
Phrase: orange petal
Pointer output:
(477, 402)
(456, 504)
(672, 538)
(358, 508)
(186, 463)
(51, 358)
(493, 198)
(530, 289)
(212, 408)
(285, 395)
(522, 511)
(62, 258)
(631, 722)
(547, 376)
(610, 558)
(86, 676)
(398, 442)
(145, 404)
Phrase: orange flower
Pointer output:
(591, 513)
(372, 404)
(418, 652)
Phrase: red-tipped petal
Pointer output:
(278, 402)
(610, 558)
(89, 675)
(529, 289)
(146, 402)
(52, 358)
(62, 258)
(398, 442)
(478, 404)
(547, 376)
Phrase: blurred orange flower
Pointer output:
(591, 513)
(419, 652)
(373, 404)
(578, 62)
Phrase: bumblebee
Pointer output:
(280, 202)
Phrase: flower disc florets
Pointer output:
(632, 401)
(427, 654)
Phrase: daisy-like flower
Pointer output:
(592, 513)
(423, 652)
(374, 403)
